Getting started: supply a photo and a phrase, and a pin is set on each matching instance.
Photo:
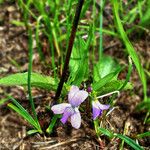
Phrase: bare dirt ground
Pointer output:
(13, 47)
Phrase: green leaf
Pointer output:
(129, 141)
(37, 80)
(79, 63)
(105, 66)
(98, 85)
(105, 132)
(114, 85)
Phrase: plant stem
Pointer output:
(69, 50)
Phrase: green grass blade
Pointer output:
(129, 141)
(38, 44)
(2, 101)
(29, 78)
(101, 29)
(130, 47)
(26, 9)
(33, 131)
(142, 135)
(18, 23)
(22, 112)
(144, 106)
(128, 74)
(29, 75)
(52, 124)
(105, 132)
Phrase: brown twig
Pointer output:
(69, 50)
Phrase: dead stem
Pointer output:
(69, 50)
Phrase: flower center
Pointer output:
(70, 111)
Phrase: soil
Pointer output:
(14, 48)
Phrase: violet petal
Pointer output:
(95, 109)
(98, 108)
(72, 92)
(96, 113)
(78, 98)
(59, 108)
(76, 119)
(67, 113)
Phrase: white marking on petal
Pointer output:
(95, 104)
(59, 108)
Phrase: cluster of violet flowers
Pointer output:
(71, 110)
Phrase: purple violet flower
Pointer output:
(98, 108)
(70, 110)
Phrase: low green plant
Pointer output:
(99, 78)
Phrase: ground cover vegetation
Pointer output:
(75, 74)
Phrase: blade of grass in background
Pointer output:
(143, 135)
(40, 6)
(93, 32)
(21, 111)
(26, 9)
(128, 74)
(129, 47)
(102, 3)
(145, 20)
(129, 141)
(38, 43)
(49, 130)
(126, 139)
(4, 100)
(105, 132)
(29, 77)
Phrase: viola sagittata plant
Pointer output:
(71, 109)
(98, 108)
